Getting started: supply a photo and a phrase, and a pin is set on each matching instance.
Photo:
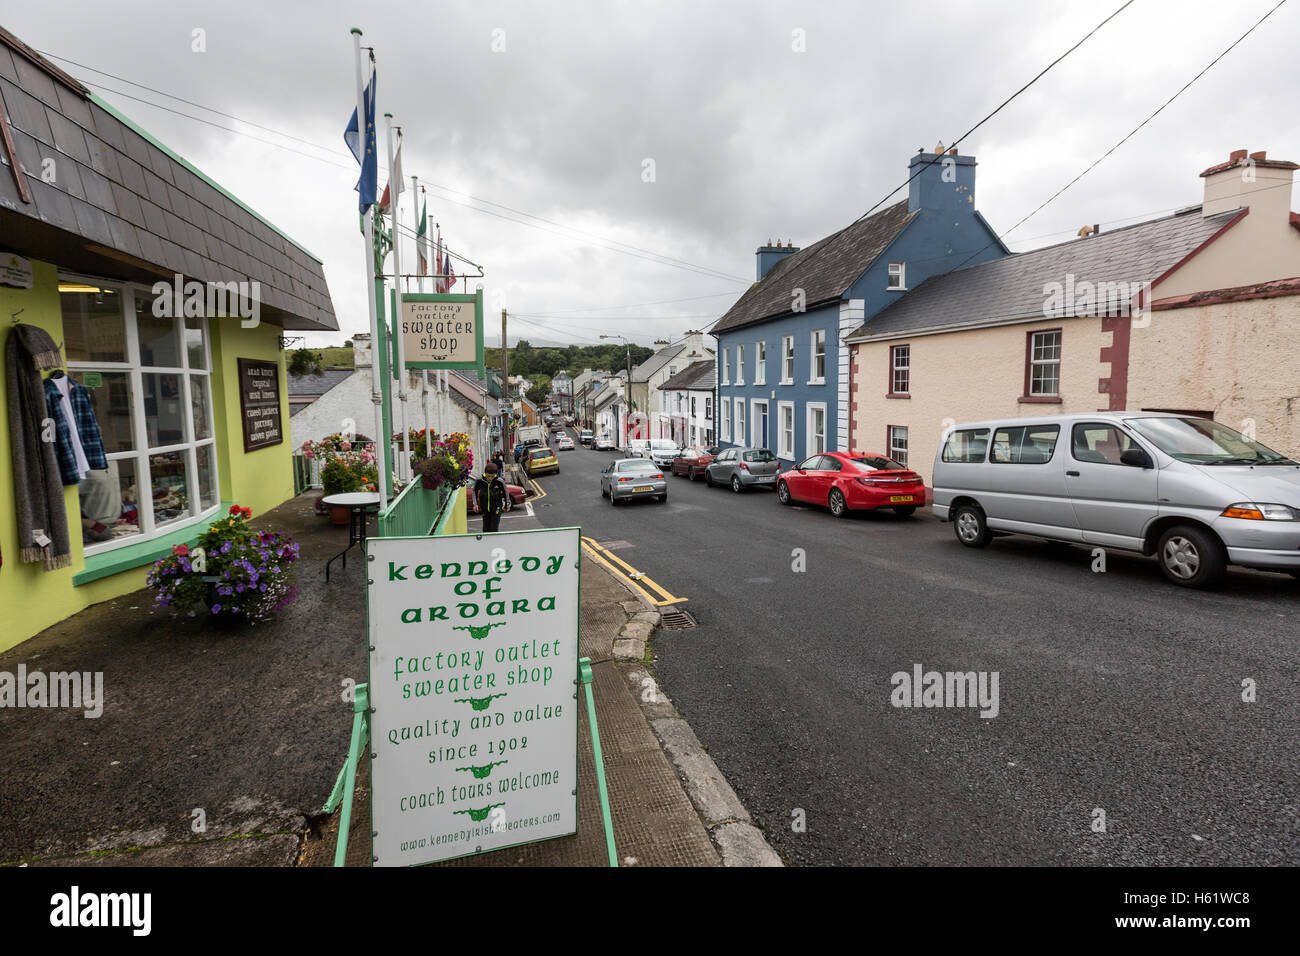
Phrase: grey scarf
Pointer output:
(38, 489)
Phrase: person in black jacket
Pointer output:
(490, 494)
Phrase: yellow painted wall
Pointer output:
(968, 376)
(34, 599)
(1235, 359)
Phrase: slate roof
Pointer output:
(314, 386)
(125, 207)
(825, 270)
(1013, 288)
(699, 376)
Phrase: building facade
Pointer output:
(686, 400)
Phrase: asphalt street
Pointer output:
(1121, 735)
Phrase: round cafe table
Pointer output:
(357, 503)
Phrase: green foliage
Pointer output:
(305, 362)
(541, 388)
(337, 478)
(530, 362)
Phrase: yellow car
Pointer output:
(540, 461)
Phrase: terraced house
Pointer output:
(782, 363)
(177, 411)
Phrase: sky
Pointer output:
(628, 134)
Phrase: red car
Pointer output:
(692, 461)
(852, 481)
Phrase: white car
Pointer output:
(602, 442)
(638, 448)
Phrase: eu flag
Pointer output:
(368, 184)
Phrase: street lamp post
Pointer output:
(627, 426)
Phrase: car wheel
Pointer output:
(708, 478)
(839, 507)
(602, 491)
(971, 528)
(1191, 557)
(662, 498)
(736, 486)
(783, 492)
(612, 499)
(905, 512)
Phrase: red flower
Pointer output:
(239, 512)
(181, 549)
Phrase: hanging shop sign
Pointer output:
(473, 681)
(15, 270)
(442, 331)
(259, 403)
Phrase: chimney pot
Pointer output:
(1096, 228)
(1236, 156)
(953, 151)
(1260, 156)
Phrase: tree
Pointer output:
(306, 362)
(540, 389)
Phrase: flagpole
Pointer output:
(375, 395)
(394, 192)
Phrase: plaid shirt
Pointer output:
(83, 414)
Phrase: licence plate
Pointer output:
(642, 488)
(767, 478)
(900, 497)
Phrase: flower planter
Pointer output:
(340, 514)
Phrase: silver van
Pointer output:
(1193, 492)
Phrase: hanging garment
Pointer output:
(64, 409)
(42, 520)
(80, 431)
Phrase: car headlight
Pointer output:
(1261, 512)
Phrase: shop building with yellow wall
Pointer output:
(167, 300)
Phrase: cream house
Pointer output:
(1196, 311)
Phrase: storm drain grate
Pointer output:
(676, 620)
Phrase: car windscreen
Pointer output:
(542, 453)
(1200, 441)
(663, 444)
(638, 466)
(761, 455)
(879, 463)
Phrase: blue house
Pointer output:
(783, 367)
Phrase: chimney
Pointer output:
(694, 350)
(1254, 181)
(769, 255)
(361, 350)
(945, 182)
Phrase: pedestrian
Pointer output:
(490, 495)
(499, 459)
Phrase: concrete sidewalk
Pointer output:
(219, 747)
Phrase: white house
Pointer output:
(659, 368)
(686, 404)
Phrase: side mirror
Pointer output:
(1137, 458)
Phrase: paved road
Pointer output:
(1117, 692)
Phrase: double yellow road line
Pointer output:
(630, 574)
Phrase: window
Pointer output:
(898, 444)
(815, 437)
(692, 406)
(1100, 443)
(785, 430)
(1043, 364)
(726, 366)
(787, 360)
(740, 365)
(739, 432)
(672, 370)
(760, 363)
(1024, 444)
(817, 365)
(897, 276)
(708, 408)
(148, 383)
(966, 446)
(724, 426)
(900, 369)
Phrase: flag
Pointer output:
(397, 174)
(421, 238)
(437, 265)
(451, 276)
(368, 157)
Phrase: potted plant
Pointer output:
(449, 465)
(339, 478)
(234, 573)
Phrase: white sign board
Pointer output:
(441, 330)
(15, 270)
(473, 681)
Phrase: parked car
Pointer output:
(602, 442)
(663, 451)
(692, 461)
(515, 495)
(539, 461)
(1194, 493)
(852, 481)
(743, 468)
(638, 448)
(563, 442)
(584, 436)
(628, 478)
(570, 421)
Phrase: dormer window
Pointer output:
(897, 276)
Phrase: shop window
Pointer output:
(149, 384)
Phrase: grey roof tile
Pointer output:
(128, 205)
(1015, 287)
(151, 249)
(131, 175)
(108, 129)
(157, 189)
(161, 164)
(36, 81)
(103, 158)
(92, 222)
(68, 178)
(74, 107)
(52, 205)
(7, 68)
(69, 138)
(825, 270)
(30, 152)
(25, 112)
(136, 147)
(312, 386)
(125, 237)
(155, 220)
(700, 375)
(99, 191)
